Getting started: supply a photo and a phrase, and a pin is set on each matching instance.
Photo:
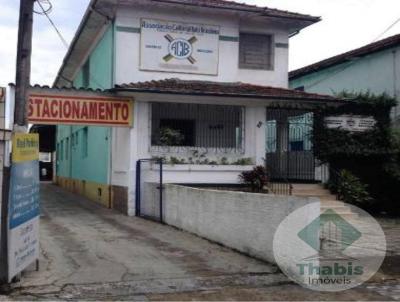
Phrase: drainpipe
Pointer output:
(110, 167)
(70, 153)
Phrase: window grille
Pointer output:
(184, 127)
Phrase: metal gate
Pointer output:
(289, 150)
(149, 189)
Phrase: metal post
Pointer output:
(137, 189)
(161, 190)
(4, 227)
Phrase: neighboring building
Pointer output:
(206, 77)
(374, 67)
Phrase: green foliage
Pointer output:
(330, 144)
(224, 161)
(247, 161)
(369, 158)
(256, 179)
(351, 190)
(201, 159)
(176, 161)
(170, 137)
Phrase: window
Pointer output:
(85, 142)
(86, 74)
(45, 157)
(255, 51)
(61, 150)
(67, 148)
(186, 129)
(189, 126)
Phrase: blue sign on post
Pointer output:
(23, 209)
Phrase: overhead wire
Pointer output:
(352, 62)
(387, 29)
(46, 13)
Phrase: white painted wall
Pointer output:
(128, 47)
(243, 221)
(135, 144)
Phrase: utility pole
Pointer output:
(22, 83)
(23, 69)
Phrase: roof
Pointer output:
(100, 12)
(243, 7)
(347, 56)
(232, 89)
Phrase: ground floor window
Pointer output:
(183, 127)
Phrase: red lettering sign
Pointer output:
(75, 110)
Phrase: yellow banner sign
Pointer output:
(78, 110)
(25, 147)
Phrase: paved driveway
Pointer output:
(89, 252)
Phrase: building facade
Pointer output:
(202, 75)
(374, 67)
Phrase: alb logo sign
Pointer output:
(173, 46)
(180, 49)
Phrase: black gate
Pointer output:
(149, 189)
(289, 150)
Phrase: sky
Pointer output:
(345, 25)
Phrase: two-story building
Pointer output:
(209, 81)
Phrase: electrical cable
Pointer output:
(387, 29)
(46, 12)
(352, 62)
(52, 23)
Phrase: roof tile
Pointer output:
(237, 89)
(224, 4)
(347, 56)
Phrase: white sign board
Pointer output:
(352, 123)
(23, 204)
(179, 47)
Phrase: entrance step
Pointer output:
(328, 200)
(339, 207)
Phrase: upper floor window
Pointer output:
(255, 51)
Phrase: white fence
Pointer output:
(243, 221)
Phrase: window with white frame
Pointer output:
(181, 127)
(256, 51)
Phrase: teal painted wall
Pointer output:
(83, 152)
(375, 72)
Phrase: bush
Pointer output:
(256, 179)
(351, 190)
(170, 137)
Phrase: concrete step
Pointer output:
(342, 209)
(322, 196)
(328, 200)
(339, 207)
(307, 186)
(332, 202)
